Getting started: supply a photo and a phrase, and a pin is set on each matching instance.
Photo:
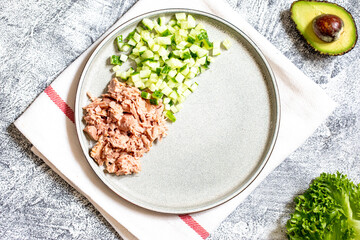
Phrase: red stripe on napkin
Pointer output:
(64, 107)
(60, 103)
(194, 225)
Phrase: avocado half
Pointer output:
(303, 14)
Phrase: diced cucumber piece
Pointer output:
(193, 87)
(161, 21)
(135, 77)
(142, 49)
(159, 83)
(153, 77)
(139, 45)
(145, 95)
(119, 41)
(188, 83)
(147, 82)
(137, 60)
(147, 54)
(201, 52)
(157, 94)
(174, 63)
(174, 109)
(172, 22)
(154, 101)
(163, 52)
(151, 43)
(166, 91)
(185, 71)
(145, 73)
(152, 87)
(226, 43)
(129, 72)
(116, 68)
(166, 100)
(172, 73)
(166, 33)
(173, 95)
(162, 86)
(179, 106)
(199, 27)
(139, 84)
(180, 16)
(137, 37)
(161, 29)
(145, 35)
(184, 25)
(191, 21)
(156, 47)
(170, 116)
(125, 47)
(139, 29)
(171, 84)
(186, 93)
(157, 58)
(122, 75)
(115, 60)
(164, 40)
(191, 75)
(179, 77)
(135, 52)
(182, 45)
(123, 57)
(148, 23)
(132, 42)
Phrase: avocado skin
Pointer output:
(317, 49)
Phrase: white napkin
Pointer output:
(304, 106)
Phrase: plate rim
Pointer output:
(273, 137)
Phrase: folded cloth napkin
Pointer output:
(49, 124)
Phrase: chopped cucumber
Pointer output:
(168, 55)
(154, 101)
(119, 42)
(216, 49)
(115, 60)
(116, 68)
(226, 43)
(170, 116)
(145, 95)
(157, 94)
(148, 23)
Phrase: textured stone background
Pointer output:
(39, 39)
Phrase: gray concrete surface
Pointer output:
(39, 39)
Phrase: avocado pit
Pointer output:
(328, 27)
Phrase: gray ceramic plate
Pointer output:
(222, 138)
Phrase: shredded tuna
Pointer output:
(124, 126)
